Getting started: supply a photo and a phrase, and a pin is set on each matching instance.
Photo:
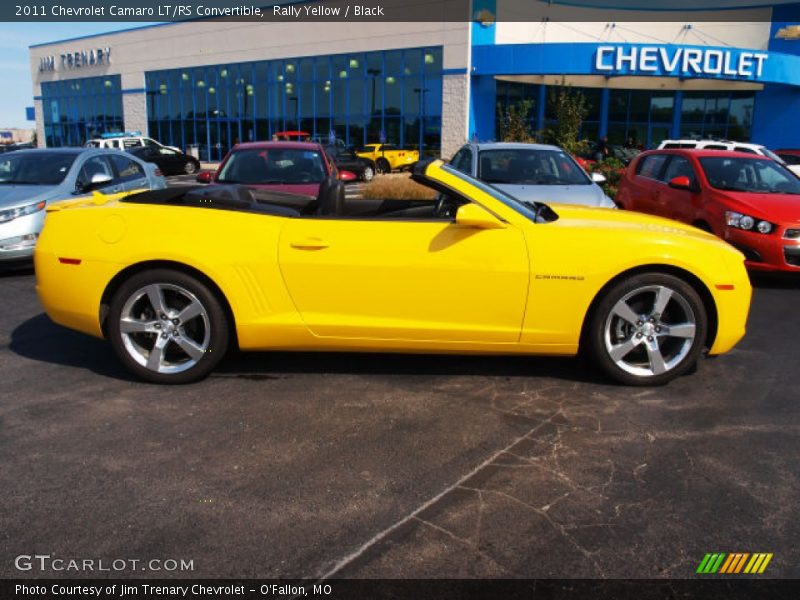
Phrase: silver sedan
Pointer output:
(533, 173)
(32, 179)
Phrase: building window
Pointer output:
(78, 110)
(644, 117)
(394, 95)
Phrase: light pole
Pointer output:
(296, 111)
(373, 73)
(421, 92)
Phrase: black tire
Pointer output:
(368, 173)
(383, 166)
(206, 335)
(190, 168)
(638, 341)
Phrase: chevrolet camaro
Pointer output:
(175, 278)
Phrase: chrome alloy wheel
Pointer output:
(165, 328)
(650, 330)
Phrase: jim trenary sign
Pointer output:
(679, 61)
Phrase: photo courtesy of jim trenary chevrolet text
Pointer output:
(399, 299)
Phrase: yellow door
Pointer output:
(406, 280)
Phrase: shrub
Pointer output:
(397, 186)
(570, 108)
(513, 123)
(613, 169)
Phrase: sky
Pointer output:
(15, 63)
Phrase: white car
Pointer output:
(727, 145)
(125, 140)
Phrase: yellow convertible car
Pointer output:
(174, 278)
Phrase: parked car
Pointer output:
(14, 147)
(750, 201)
(325, 140)
(622, 153)
(532, 172)
(347, 160)
(30, 180)
(125, 140)
(745, 147)
(298, 167)
(471, 271)
(171, 162)
(791, 158)
(291, 136)
(388, 157)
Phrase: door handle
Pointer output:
(309, 244)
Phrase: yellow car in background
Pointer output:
(388, 157)
(175, 278)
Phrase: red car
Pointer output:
(750, 201)
(297, 167)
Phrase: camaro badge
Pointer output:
(561, 277)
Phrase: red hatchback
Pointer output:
(298, 167)
(750, 201)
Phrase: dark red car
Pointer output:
(297, 167)
(750, 201)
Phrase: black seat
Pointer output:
(330, 200)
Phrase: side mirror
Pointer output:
(204, 177)
(598, 177)
(680, 183)
(347, 176)
(98, 180)
(472, 215)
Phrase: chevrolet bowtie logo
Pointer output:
(791, 32)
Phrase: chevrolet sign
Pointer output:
(679, 61)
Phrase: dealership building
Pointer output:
(647, 75)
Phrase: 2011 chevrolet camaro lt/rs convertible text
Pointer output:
(174, 278)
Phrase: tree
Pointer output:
(513, 124)
(570, 108)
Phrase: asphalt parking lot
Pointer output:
(305, 465)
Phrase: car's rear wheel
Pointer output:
(167, 327)
(368, 173)
(648, 329)
(383, 166)
(190, 168)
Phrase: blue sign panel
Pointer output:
(30, 113)
(656, 60)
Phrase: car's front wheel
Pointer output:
(368, 173)
(648, 329)
(167, 326)
(190, 168)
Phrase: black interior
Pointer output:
(330, 202)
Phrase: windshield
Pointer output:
(758, 176)
(533, 210)
(273, 166)
(520, 166)
(35, 168)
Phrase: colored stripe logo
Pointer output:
(734, 563)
